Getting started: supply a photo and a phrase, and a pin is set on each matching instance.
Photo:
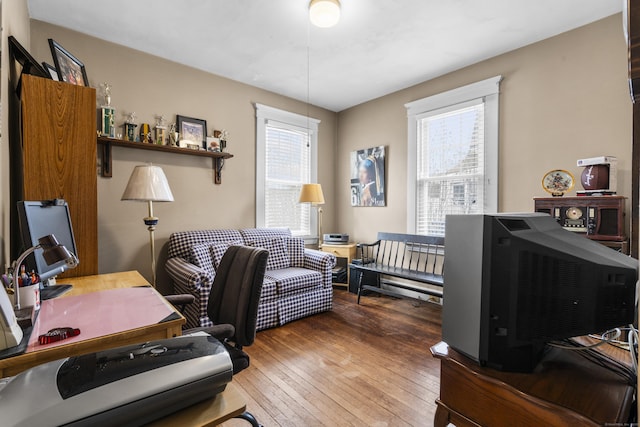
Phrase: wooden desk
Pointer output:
(564, 390)
(78, 345)
(226, 405)
(86, 284)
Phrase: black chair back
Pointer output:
(236, 291)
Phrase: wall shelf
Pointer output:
(106, 143)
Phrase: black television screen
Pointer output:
(41, 218)
(514, 282)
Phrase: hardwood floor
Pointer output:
(366, 365)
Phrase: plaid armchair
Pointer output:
(297, 282)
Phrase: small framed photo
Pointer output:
(51, 70)
(194, 130)
(70, 69)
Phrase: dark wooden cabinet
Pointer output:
(566, 389)
(599, 218)
(58, 157)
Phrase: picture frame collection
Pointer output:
(188, 132)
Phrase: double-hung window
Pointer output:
(286, 158)
(452, 155)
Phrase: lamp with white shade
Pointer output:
(312, 193)
(148, 183)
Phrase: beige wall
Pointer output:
(561, 99)
(151, 86)
(14, 22)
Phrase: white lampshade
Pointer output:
(324, 13)
(311, 193)
(148, 183)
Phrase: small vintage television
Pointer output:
(514, 282)
(41, 218)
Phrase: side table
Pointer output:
(342, 252)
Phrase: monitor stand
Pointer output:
(49, 292)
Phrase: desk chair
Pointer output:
(233, 304)
(180, 301)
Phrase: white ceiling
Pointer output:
(378, 47)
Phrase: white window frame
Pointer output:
(296, 122)
(489, 91)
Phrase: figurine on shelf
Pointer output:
(145, 133)
(222, 135)
(161, 130)
(173, 135)
(130, 127)
(106, 93)
(107, 113)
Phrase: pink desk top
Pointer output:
(98, 314)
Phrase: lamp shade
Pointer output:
(148, 183)
(53, 252)
(324, 13)
(311, 193)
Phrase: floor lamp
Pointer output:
(148, 183)
(312, 193)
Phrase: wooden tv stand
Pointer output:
(564, 390)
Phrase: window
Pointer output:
(286, 158)
(453, 156)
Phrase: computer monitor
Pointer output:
(514, 282)
(41, 218)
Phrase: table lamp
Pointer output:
(312, 193)
(52, 252)
(148, 183)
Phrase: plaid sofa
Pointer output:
(297, 282)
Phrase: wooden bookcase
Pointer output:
(58, 155)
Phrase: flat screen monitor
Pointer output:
(514, 282)
(41, 218)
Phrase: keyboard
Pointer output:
(49, 292)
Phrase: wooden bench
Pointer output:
(404, 256)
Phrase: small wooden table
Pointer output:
(226, 405)
(346, 252)
(564, 390)
(84, 296)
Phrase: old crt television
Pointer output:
(41, 218)
(514, 282)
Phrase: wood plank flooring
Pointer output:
(358, 365)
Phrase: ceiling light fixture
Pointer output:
(324, 13)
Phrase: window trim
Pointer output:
(287, 120)
(489, 91)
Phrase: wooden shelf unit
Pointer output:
(106, 143)
(55, 157)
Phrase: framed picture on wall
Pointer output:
(368, 177)
(70, 69)
(193, 130)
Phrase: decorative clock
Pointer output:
(558, 182)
